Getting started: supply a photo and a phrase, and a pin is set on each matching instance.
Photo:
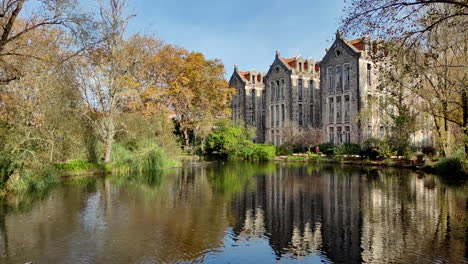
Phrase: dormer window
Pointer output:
(300, 66)
(253, 79)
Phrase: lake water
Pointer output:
(241, 213)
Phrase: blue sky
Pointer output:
(242, 32)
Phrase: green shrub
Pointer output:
(264, 152)
(36, 179)
(285, 150)
(327, 148)
(313, 157)
(296, 158)
(453, 166)
(230, 140)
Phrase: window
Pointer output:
(253, 105)
(282, 89)
(346, 77)
(348, 134)
(331, 135)
(300, 66)
(346, 108)
(253, 79)
(272, 137)
(382, 132)
(312, 115)
(301, 90)
(338, 109)
(272, 120)
(282, 114)
(311, 90)
(330, 79)
(301, 121)
(277, 90)
(338, 79)
(369, 131)
(272, 91)
(331, 109)
(339, 135)
(277, 116)
(369, 77)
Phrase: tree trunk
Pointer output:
(465, 118)
(186, 138)
(108, 149)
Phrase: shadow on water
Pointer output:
(241, 212)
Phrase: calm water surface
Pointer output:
(241, 213)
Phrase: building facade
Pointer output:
(341, 95)
(248, 104)
(292, 98)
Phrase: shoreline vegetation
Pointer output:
(229, 141)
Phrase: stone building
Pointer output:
(292, 98)
(248, 102)
(353, 108)
(347, 84)
(339, 95)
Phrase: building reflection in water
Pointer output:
(218, 213)
(347, 215)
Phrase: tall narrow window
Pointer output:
(272, 91)
(331, 109)
(312, 115)
(346, 108)
(282, 88)
(339, 135)
(253, 79)
(301, 90)
(369, 131)
(338, 79)
(253, 105)
(301, 120)
(283, 114)
(277, 116)
(272, 120)
(300, 66)
(331, 135)
(338, 109)
(346, 77)
(330, 79)
(369, 72)
(347, 134)
(277, 90)
(311, 90)
(382, 132)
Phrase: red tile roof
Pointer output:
(291, 62)
(357, 43)
(245, 74)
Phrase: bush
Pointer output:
(229, 140)
(36, 179)
(264, 152)
(452, 166)
(327, 148)
(429, 150)
(313, 157)
(284, 150)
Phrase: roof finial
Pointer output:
(235, 67)
(277, 54)
(339, 34)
